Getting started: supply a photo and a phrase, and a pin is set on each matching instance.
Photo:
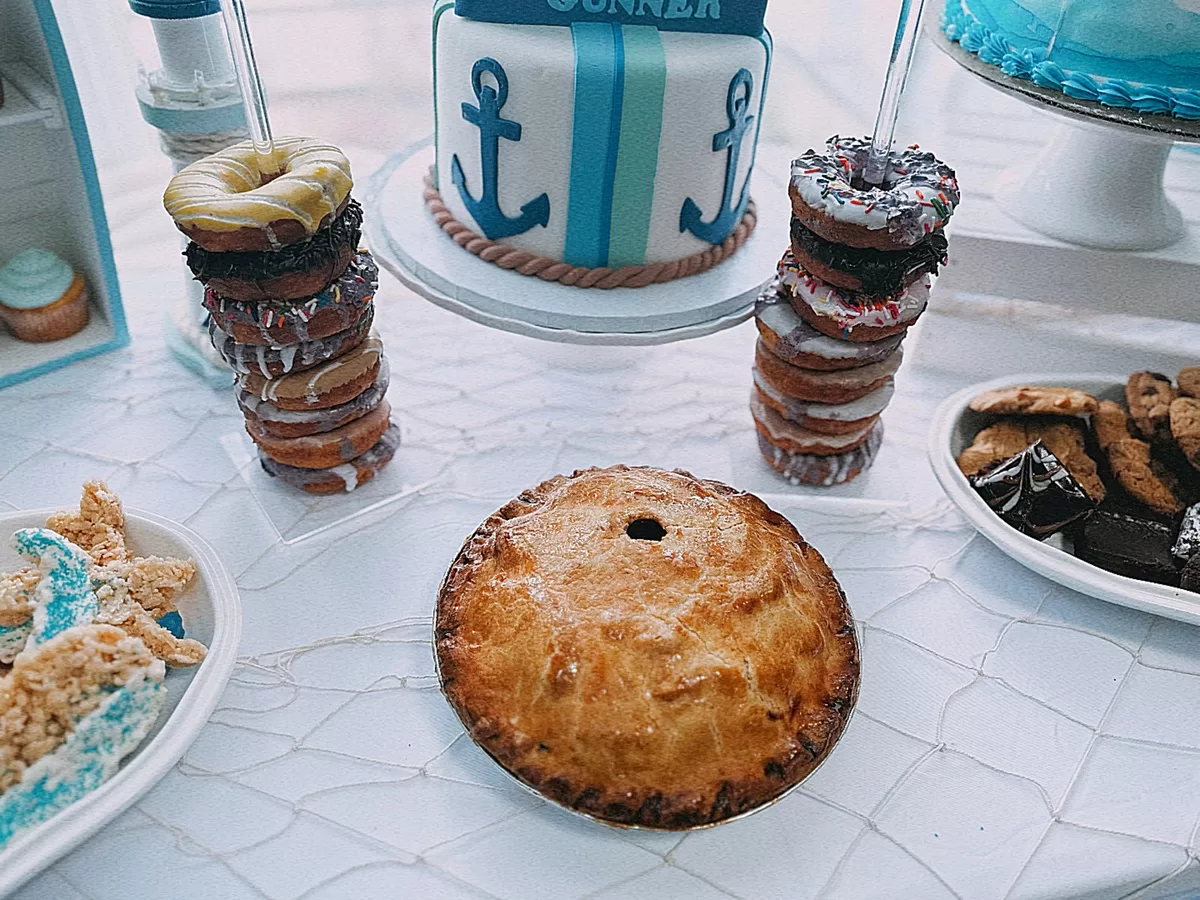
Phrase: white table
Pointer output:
(1013, 739)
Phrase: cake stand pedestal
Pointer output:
(406, 241)
(1098, 182)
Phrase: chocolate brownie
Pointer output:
(1008, 437)
(1128, 545)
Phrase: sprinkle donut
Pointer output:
(336, 308)
(917, 197)
(793, 340)
(272, 362)
(849, 316)
(867, 270)
(225, 202)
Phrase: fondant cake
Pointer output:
(1135, 54)
(599, 134)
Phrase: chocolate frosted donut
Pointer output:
(337, 479)
(294, 272)
(269, 419)
(827, 418)
(822, 471)
(865, 269)
(272, 362)
(793, 340)
(331, 448)
(840, 386)
(332, 383)
(338, 307)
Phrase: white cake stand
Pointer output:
(1098, 182)
(406, 241)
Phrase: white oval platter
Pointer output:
(955, 426)
(212, 613)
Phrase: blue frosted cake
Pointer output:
(1133, 54)
(597, 134)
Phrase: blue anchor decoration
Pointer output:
(690, 218)
(486, 210)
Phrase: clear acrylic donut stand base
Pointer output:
(409, 244)
(297, 516)
(1098, 182)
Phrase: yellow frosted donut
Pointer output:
(222, 204)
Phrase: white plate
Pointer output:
(955, 427)
(212, 613)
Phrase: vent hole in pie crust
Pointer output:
(646, 530)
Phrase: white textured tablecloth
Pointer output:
(1013, 739)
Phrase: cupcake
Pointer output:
(41, 298)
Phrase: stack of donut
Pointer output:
(856, 276)
(290, 302)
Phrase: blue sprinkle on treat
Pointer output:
(173, 622)
(64, 595)
(13, 638)
(89, 756)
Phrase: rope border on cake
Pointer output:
(525, 263)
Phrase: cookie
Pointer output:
(1008, 437)
(1149, 396)
(826, 418)
(1185, 427)
(1145, 478)
(337, 307)
(287, 423)
(839, 386)
(332, 448)
(792, 438)
(272, 362)
(793, 340)
(1189, 381)
(1110, 423)
(338, 479)
(1052, 401)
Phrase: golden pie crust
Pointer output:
(669, 683)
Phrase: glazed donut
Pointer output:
(337, 479)
(269, 419)
(840, 386)
(336, 308)
(330, 384)
(867, 270)
(821, 471)
(294, 272)
(225, 202)
(917, 197)
(846, 315)
(330, 448)
(793, 340)
(827, 418)
(793, 438)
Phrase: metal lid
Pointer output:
(175, 9)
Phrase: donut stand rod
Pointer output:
(238, 32)
(907, 29)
